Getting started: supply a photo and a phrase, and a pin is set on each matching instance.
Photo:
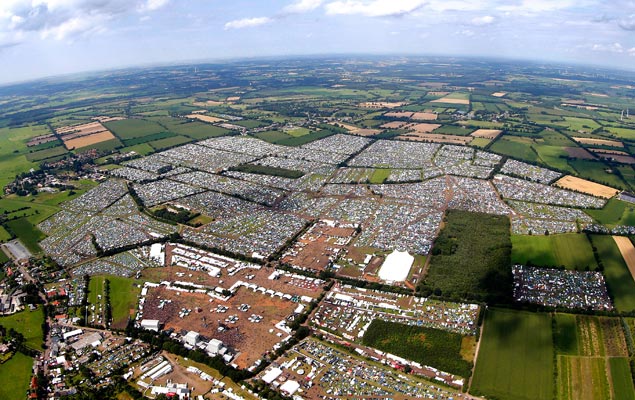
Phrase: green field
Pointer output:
(621, 377)
(133, 128)
(566, 334)
(13, 151)
(515, 360)
(29, 324)
(15, 376)
(618, 279)
(379, 175)
(169, 142)
(615, 212)
(124, 294)
(4, 235)
(581, 378)
(469, 266)
(433, 347)
(514, 146)
(570, 250)
(28, 234)
(46, 153)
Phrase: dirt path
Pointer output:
(628, 252)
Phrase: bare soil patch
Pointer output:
(424, 116)
(84, 141)
(605, 142)
(486, 133)
(424, 127)
(205, 118)
(579, 152)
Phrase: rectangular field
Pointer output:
(628, 252)
(515, 360)
(205, 118)
(84, 141)
(15, 376)
(584, 186)
(29, 324)
(604, 142)
(571, 250)
(621, 378)
(582, 378)
(486, 133)
(618, 278)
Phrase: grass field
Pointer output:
(13, 150)
(469, 266)
(516, 147)
(46, 153)
(28, 234)
(379, 176)
(515, 361)
(123, 297)
(618, 279)
(571, 250)
(4, 235)
(433, 347)
(621, 378)
(28, 323)
(615, 212)
(15, 376)
(581, 378)
(169, 142)
(133, 128)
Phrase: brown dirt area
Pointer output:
(424, 116)
(208, 103)
(233, 98)
(579, 152)
(399, 114)
(622, 159)
(381, 104)
(394, 125)
(628, 252)
(436, 138)
(205, 118)
(41, 139)
(499, 94)
(424, 127)
(81, 130)
(584, 186)
(486, 133)
(605, 142)
(250, 339)
(448, 100)
(605, 151)
(365, 132)
(88, 140)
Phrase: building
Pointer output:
(396, 267)
(150, 324)
(191, 338)
(215, 347)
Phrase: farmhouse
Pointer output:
(396, 266)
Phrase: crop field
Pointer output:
(515, 360)
(486, 133)
(618, 279)
(584, 186)
(571, 250)
(433, 347)
(615, 212)
(124, 294)
(46, 153)
(621, 378)
(468, 266)
(133, 128)
(29, 324)
(13, 150)
(198, 130)
(591, 357)
(205, 118)
(169, 142)
(628, 252)
(88, 140)
(514, 146)
(15, 376)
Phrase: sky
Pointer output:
(40, 38)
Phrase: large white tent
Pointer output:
(396, 266)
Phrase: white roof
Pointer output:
(290, 387)
(396, 266)
(272, 375)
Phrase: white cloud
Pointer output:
(61, 19)
(247, 22)
(302, 6)
(152, 5)
(484, 20)
(542, 6)
(616, 48)
(374, 8)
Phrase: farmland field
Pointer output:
(618, 279)
(15, 376)
(571, 250)
(621, 377)
(615, 212)
(28, 234)
(29, 324)
(169, 142)
(515, 361)
(433, 347)
(133, 128)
